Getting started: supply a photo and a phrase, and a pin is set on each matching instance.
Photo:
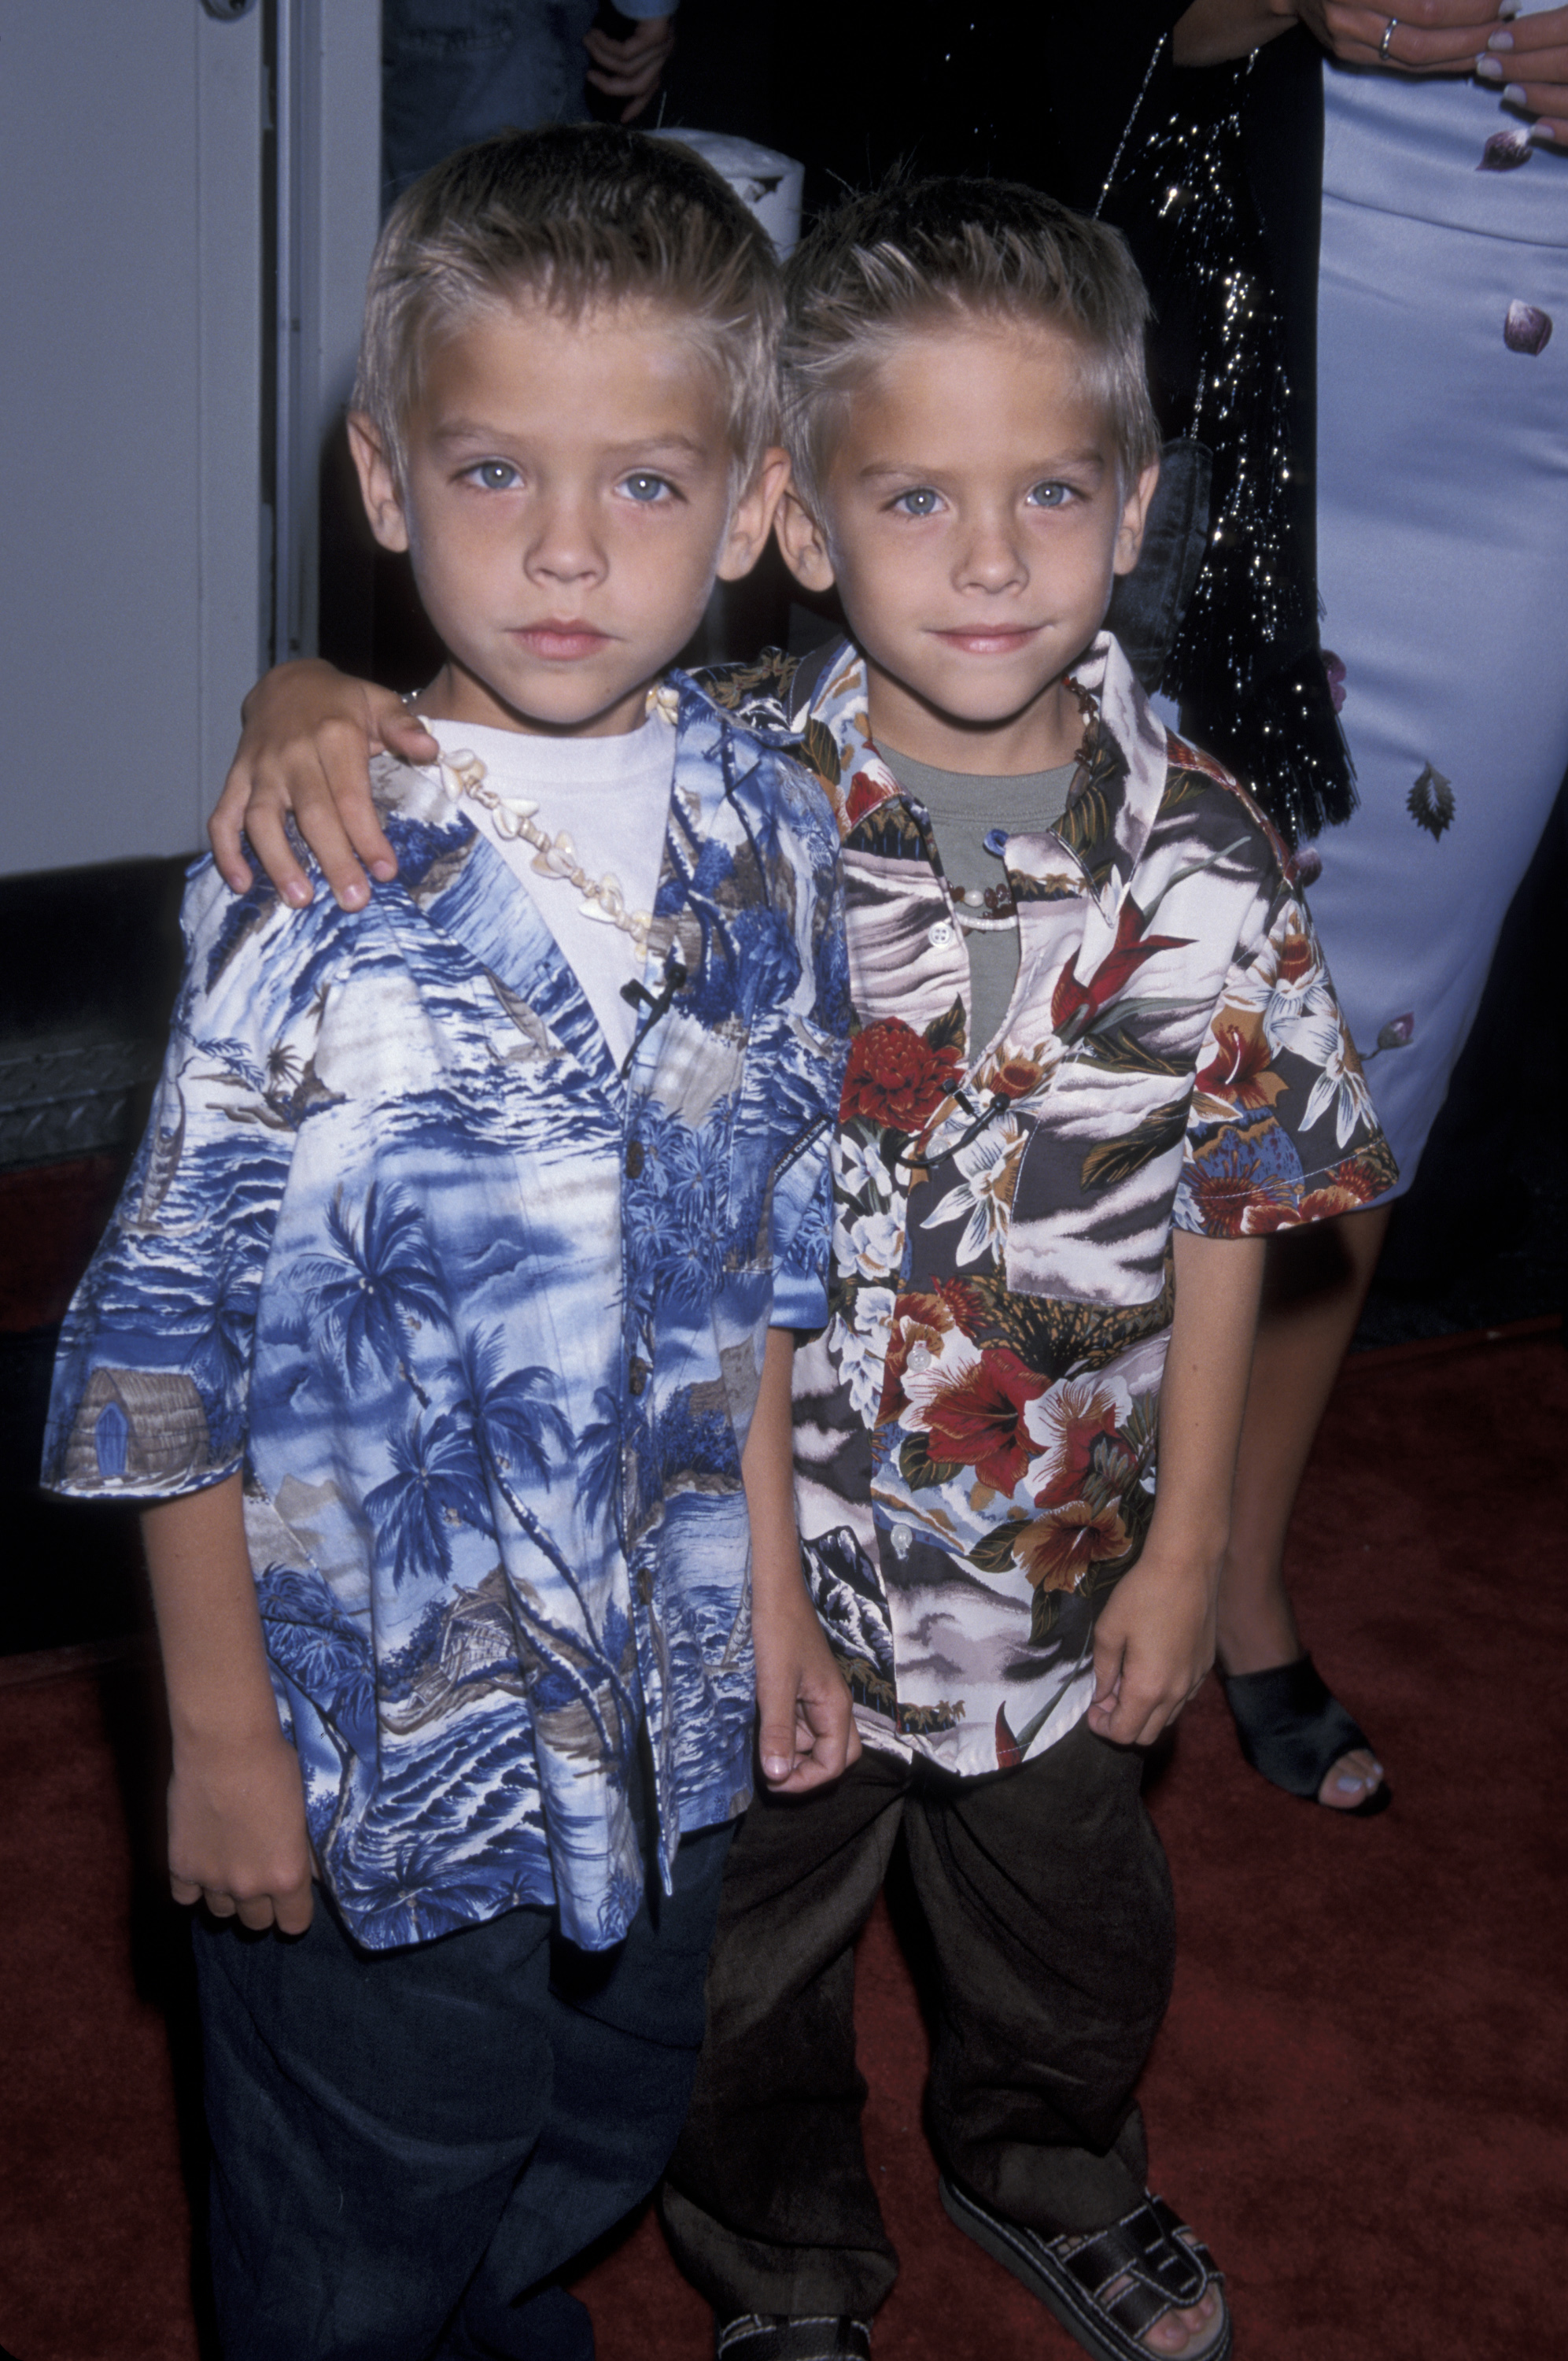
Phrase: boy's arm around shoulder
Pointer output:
(305, 754)
(805, 1726)
(237, 1836)
(1153, 1641)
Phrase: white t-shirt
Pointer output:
(611, 796)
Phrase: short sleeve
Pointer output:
(1281, 1129)
(152, 1376)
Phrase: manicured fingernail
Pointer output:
(383, 872)
(1514, 95)
(1551, 132)
(775, 1765)
(1509, 7)
(296, 893)
(1489, 69)
(1499, 41)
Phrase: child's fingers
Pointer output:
(227, 825)
(776, 1739)
(268, 839)
(333, 799)
(401, 733)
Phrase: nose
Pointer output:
(564, 547)
(990, 556)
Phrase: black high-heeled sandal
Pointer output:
(1293, 1731)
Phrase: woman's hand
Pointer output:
(1429, 36)
(1528, 59)
(631, 68)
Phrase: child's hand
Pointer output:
(805, 1723)
(1154, 1643)
(237, 1839)
(310, 732)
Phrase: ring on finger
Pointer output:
(1390, 29)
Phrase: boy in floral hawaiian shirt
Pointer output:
(1047, 1255)
(452, 1345)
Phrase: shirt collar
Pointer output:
(1115, 798)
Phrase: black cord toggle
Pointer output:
(656, 1004)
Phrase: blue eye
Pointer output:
(495, 475)
(1052, 496)
(646, 488)
(920, 502)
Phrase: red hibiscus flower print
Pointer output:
(1058, 1550)
(1239, 1072)
(1078, 1427)
(894, 1079)
(1074, 1005)
(919, 1319)
(865, 794)
(963, 1299)
(979, 1422)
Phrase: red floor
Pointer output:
(1358, 2096)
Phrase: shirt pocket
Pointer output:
(1091, 1206)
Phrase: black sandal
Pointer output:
(1293, 1731)
(1108, 2287)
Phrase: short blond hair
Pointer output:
(916, 252)
(573, 215)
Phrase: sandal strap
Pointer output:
(1165, 2267)
(776, 2337)
(1291, 1727)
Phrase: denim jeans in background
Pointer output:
(454, 70)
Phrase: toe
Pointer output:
(1351, 1780)
(1188, 2336)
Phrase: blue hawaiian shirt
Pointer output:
(481, 1320)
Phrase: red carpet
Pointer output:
(1359, 2094)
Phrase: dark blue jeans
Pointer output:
(454, 70)
(411, 2146)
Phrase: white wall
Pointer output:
(136, 553)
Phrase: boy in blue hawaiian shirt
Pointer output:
(445, 1317)
(1097, 1060)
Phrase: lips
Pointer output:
(993, 642)
(560, 642)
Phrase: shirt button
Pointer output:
(634, 1160)
(940, 936)
(637, 1374)
(901, 1539)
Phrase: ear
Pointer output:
(378, 483)
(752, 516)
(803, 543)
(1134, 516)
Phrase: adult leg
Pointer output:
(1316, 1284)
(767, 2201)
(1049, 1905)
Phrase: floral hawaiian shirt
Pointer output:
(481, 1319)
(975, 1431)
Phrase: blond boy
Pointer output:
(445, 1317)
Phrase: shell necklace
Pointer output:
(554, 856)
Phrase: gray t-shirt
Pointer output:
(971, 813)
